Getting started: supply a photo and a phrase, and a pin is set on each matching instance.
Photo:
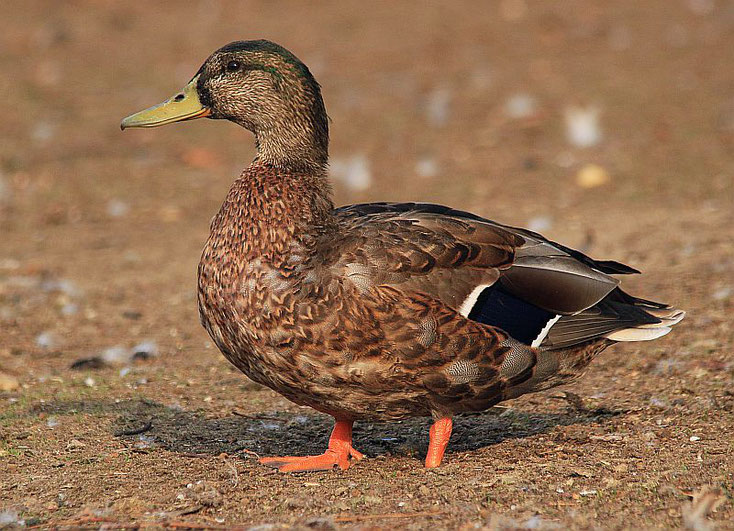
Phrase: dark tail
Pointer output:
(617, 317)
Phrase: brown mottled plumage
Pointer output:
(379, 311)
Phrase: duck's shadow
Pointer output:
(148, 424)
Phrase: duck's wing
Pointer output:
(454, 256)
(411, 249)
(462, 302)
(540, 292)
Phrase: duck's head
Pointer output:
(262, 87)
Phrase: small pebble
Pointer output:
(694, 438)
(540, 223)
(70, 309)
(65, 286)
(147, 441)
(117, 208)
(426, 167)
(353, 171)
(116, 355)
(592, 176)
(582, 126)
(437, 107)
(52, 422)
(47, 340)
(722, 294)
(43, 132)
(89, 381)
(521, 106)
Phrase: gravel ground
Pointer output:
(608, 128)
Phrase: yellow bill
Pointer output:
(183, 106)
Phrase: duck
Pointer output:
(379, 311)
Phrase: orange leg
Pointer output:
(338, 454)
(439, 436)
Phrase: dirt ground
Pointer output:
(466, 104)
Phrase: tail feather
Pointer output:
(668, 316)
(617, 317)
(648, 331)
(638, 334)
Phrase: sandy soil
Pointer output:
(458, 103)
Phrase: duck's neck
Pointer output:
(298, 141)
(271, 214)
(294, 149)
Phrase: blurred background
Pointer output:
(606, 126)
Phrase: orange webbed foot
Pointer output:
(340, 453)
(326, 461)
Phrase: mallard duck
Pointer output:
(381, 310)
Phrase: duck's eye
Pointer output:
(233, 66)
